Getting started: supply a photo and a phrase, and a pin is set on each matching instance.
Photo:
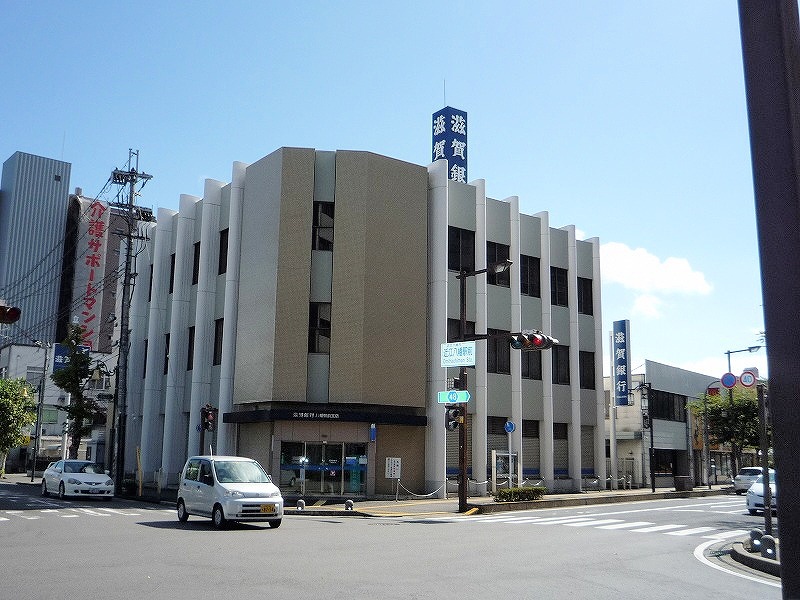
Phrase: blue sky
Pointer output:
(626, 119)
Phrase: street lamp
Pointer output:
(751, 349)
(495, 268)
(647, 423)
(706, 441)
(44, 346)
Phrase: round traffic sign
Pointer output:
(748, 378)
(510, 427)
(452, 396)
(728, 380)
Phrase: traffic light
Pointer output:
(645, 421)
(452, 418)
(9, 314)
(208, 415)
(531, 340)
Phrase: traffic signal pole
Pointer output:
(462, 430)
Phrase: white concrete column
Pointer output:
(597, 311)
(574, 361)
(137, 324)
(546, 458)
(516, 325)
(225, 431)
(204, 313)
(435, 454)
(152, 427)
(480, 446)
(175, 420)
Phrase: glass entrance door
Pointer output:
(325, 468)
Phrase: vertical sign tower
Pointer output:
(620, 353)
(450, 141)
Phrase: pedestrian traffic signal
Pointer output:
(452, 418)
(9, 314)
(208, 415)
(645, 421)
(531, 340)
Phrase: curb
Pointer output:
(754, 561)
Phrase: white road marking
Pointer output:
(657, 528)
(627, 525)
(694, 531)
(593, 523)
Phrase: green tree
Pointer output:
(72, 379)
(17, 411)
(731, 420)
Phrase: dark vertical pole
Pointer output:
(462, 429)
(652, 457)
(764, 447)
(770, 52)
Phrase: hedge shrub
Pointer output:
(520, 494)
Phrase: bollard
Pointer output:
(755, 539)
(348, 505)
(301, 504)
(768, 547)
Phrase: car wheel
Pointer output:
(275, 524)
(45, 493)
(752, 511)
(183, 516)
(218, 517)
(61, 492)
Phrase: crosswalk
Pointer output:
(33, 514)
(615, 521)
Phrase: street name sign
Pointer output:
(458, 354)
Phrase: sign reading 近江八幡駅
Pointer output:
(620, 352)
(458, 354)
(450, 141)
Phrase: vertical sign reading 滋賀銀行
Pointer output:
(450, 141)
(620, 352)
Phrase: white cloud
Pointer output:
(641, 271)
(580, 234)
(647, 305)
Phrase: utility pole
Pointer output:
(132, 217)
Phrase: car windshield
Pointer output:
(79, 466)
(771, 478)
(240, 471)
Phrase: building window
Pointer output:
(218, 325)
(144, 362)
(667, 406)
(586, 369)
(319, 328)
(530, 283)
(454, 329)
(190, 350)
(496, 253)
(172, 273)
(223, 252)
(166, 354)
(150, 285)
(560, 431)
(585, 297)
(323, 226)
(196, 264)
(460, 249)
(496, 425)
(530, 429)
(559, 293)
(560, 365)
(531, 365)
(49, 415)
(498, 352)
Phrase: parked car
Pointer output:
(228, 488)
(747, 476)
(77, 478)
(755, 495)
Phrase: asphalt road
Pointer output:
(125, 549)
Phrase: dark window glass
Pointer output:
(166, 353)
(586, 368)
(585, 297)
(323, 226)
(667, 406)
(531, 365)
(558, 287)
(172, 273)
(144, 367)
(496, 425)
(319, 328)
(190, 350)
(223, 252)
(530, 283)
(196, 264)
(460, 249)
(150, 285)
(530, 429)
(496, 253)
(498, 353)
(560, 431)
(560, 364)
(218, 325)
(454, 329)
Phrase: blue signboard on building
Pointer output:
(620, 352)
(450, 141)
(61, 355)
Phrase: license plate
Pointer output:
(268, 508)
(95, 491)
